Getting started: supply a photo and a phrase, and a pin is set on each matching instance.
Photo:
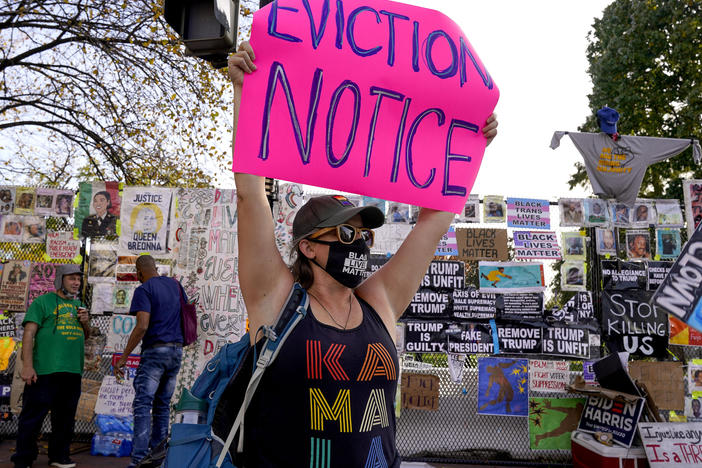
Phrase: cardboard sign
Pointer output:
(329, 79)
(420, 391)
(511, 277)
(548, 376)
(551, 421)
(520, 306)
(615, 417)
(528, 213)
(519, 339)
(425, 337)
(617, 275)
(472, 304)
(657, 271)
(572, 342)
(631, 324)
(503, 386)
(681, 290)
(115, 398)
(482, 244)
(663, 380)
(532, 245)
(61, 245)
(470, 338)
(672, 444)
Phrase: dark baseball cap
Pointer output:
(608, 118)
(331, 210)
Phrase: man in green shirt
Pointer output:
(55, 329)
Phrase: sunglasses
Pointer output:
(347, 234)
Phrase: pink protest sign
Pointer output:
(376, 98)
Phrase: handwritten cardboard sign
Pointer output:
(482, 244)
(115, 398)
(420, 391)
(672, 444)
(356, 96)
(61, 244)
(663, 380)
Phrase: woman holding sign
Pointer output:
(329, 395)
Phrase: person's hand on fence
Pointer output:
(29, 375)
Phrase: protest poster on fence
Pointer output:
(471, 210)
(570, 342)
(511, 277)
(41, 280)
(425, 337)
(193, 211)
(657, 271)
(471, 304)
(7, 199)
(630, 323)
(62, 245)
(482, 244)
(531, 245)
(616, 417)
(130, 366)
(102, 298)
(428, 303)
(98, 209)
(7, 326)
(681, 334)
(552, 420)
(115, 398)
(102, 261)
(503, 386)
(664, 382)
(120, 328)
(528, 213)
(679, 295)
(519, 339)
(24, 200)
(548, 376)
(122, 296)
(144, 219)
(470, 338)
(520, 306)
(422, 72)
(618, 274)
(444, 275)
(573, 275)
(14, 285)
(447, 244)
(419, 391)
(692, 193)
(578, 311)
(672, 444)
(12, 228)
(290, 198)
(44, 204)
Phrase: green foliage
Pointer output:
(97, 89)
(646, 61)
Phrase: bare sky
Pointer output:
(535, 52)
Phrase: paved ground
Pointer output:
(81, 455)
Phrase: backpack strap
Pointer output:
(293, 311)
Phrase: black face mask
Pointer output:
(349, 264)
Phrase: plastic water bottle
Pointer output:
(190, 409)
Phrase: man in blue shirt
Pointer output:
(156, 304)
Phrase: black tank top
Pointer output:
(327, 401)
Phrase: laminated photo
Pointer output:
(668, 243)
(643, 215)
(398, 213)
(692, 193)
(573, 276)
(34, 230)
(596, 213)
(668, 213)
(620, 214)
(494, 209)
(606, 241)
(573, 246)
(638, 244)
(24, 200)
(471, 210)
(7, 199)
(571, 210)
(44, 204)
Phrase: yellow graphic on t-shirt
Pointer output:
(66, 322)
(612, 162)
(320, 410)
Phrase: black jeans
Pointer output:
(58, 393)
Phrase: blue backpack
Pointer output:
(228, 383)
